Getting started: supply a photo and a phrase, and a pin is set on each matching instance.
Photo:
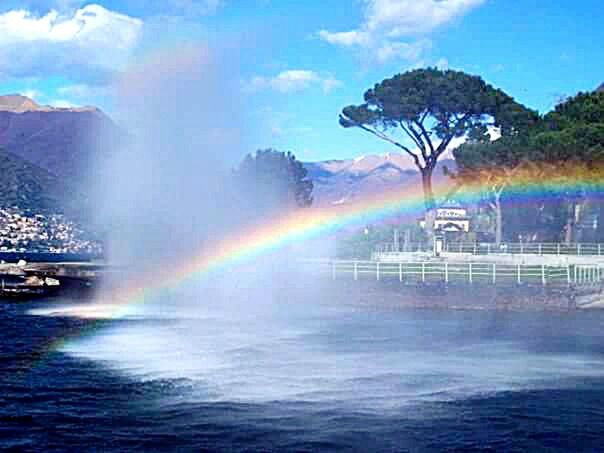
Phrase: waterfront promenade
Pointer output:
(471, 272)
(574, 274)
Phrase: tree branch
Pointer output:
(443, 146)
(426, 135)
(419, 139)
(424, 116)
(499, 190)
(414, 137)
(378, 134)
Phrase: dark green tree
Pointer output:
(429, 108)
(570, 139)
(564, 149)
(574, 131)
(274, 180)
(491, 167)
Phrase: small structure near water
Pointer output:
(28, 280)
(26, 286)
(451, 217)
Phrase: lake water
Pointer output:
(301, 378)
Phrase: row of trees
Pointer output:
(429, 108)
(560, 157)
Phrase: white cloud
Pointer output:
(401, 50)
(412, 17)
(90, 42)
(150, 8)
(32, 94)
(62, 104)
(81, 90)
(293, 80)
(330, 83)
(385, 22)
(345, 38)
(442, 64)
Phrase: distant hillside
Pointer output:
(18, 103)
(62, 141)
(345, 181)
(28, 186)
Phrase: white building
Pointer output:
(451, 217)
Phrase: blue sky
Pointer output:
(299, 62)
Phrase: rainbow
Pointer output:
(299, 226)
(247, 244)
(296, 227)
(309, 223)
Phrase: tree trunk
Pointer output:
(600, 222)
(570, 221)
(578, 214)
(429, 204)
(498, 220)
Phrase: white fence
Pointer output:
(529, 248)
(491, 273)
(514, 248)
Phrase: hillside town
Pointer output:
(27, 232)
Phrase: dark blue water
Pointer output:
(326, 379)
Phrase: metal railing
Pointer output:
(529, 248)
(511, 248)
(470, 273)
(390, 247)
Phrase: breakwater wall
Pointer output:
(393, 294)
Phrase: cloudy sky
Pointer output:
(298, 63)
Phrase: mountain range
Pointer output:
(47, 151)
(62, 141)
(345, 181)
(348, 180)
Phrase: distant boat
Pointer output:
(20, 287)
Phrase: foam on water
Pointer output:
(370, 361)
